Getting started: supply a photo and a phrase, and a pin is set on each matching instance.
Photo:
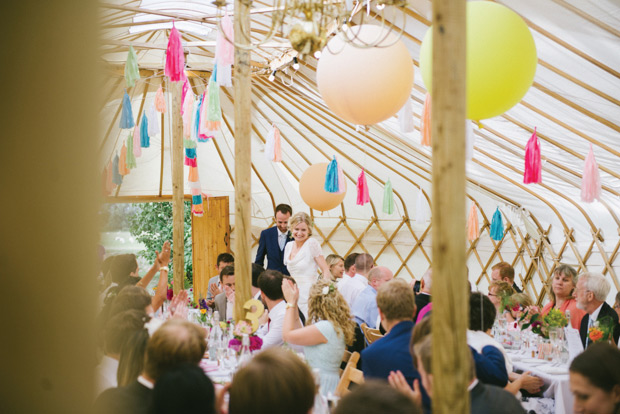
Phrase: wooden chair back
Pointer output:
(350, 374)
(370, 334)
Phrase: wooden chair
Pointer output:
(370, 334)
(350, 374)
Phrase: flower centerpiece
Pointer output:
(244, 327)
(542, 325)
(601, 330)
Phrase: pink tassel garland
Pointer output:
(160, 100)
(137, 148)
(362, 190)
(473, 230)
(532, 161)
(591, 181)
(175, 59)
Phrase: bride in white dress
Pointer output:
(303, 257)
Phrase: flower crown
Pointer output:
(328, 289)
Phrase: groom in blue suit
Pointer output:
(272, 241)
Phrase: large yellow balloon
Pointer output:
(501, 59)
(365, 85)
(311, 188)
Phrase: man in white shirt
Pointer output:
(365, 308)
(349, 270)
(270, 284)
(591, 291)
(352, 288)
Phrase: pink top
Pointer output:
(575, 313)
(426, 309)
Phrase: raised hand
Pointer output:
(215, 290)
(290, 291)
(178, 305)
(398, 381)
(164, 257)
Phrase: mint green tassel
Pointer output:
(214, 112)
(131, 158)
(188, 143)
(132, 72)
(388, 198)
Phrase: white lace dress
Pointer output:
(303, 268)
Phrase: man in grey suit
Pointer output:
(225, 301)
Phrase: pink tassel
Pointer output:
(277, 146)
(426, 122)
(184, 94)
(187, 111)
(160, 100)
(225, 49)
(532, 161)
(137, 148)
(191, 162)
(591, 181)
(473, 230)
(362, 190)
(175, 59)
(341, 182)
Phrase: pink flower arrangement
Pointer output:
(243, 327)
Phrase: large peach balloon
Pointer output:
(365, 85)
(311, 189)
(501, 59)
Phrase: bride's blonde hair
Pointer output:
(301, 217)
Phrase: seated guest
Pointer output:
(516, 307)
(224, 302)
(423, 297)
(365, 307)
(175, 342)
(499, 291)
(270, 284)
(349, 269)
(617, 305)
(595, 380)
(504, 271)
(183, 389)
(256, 272)
(354, 286)
(561, 291)
(336, 266)
(329, 327)
(391, 353)
(375, 397)
(591, 292)
(119, 330)
(275, 381)
(214, 288)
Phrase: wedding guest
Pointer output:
(365, 307)
(328, 328)
(272, 241)
(303, 257)
(183, 389)
(517, 304)
(561, 291)
(354, 286)
(498, 291)
(175, 342)
(214, 288)
(224, 302)
(504, 271)
(591, 291)
(595, 380)
(349, 269)
(423, 297)
(336, 266)
(375, 397)
(275, 381)
(617, 304)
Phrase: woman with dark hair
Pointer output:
(184, 389)
(561, 290)
(595, 380)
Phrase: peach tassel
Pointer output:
(473, 230)
(426, 122)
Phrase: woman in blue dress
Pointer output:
(329, 328)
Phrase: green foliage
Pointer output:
(152, 226)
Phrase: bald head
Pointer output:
(363, 263)
(379, 275)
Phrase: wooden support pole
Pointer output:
(178, 213)
(243, 160)
(451, 357)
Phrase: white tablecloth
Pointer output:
(556, 380)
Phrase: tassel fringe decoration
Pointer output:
(122, 162)
(425, 126)
(145, 141)
(153, 118)
(473, 229)
(160, 100)
(497, 226)
(532, 173)
(117, 178)
(388, 198)
(331, 177)
(591, 181)
(188, 109)
(204, 134)
(273, 150)
(421, 211)
(175, 59)
(405, 118)
(137, 147)
(362, 189)
(127, 113)
(132, 72)
(214, 112)
(184, 94)
(190, 157)
(131, 159)
(194, 185)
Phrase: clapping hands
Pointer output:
(163, 258)
(398, 381)
(290, 291)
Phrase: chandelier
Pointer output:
(313, 22)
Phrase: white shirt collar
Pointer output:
(148, 384)
(281, 234)
(361, 278)
(594, 315)
(473, 384)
